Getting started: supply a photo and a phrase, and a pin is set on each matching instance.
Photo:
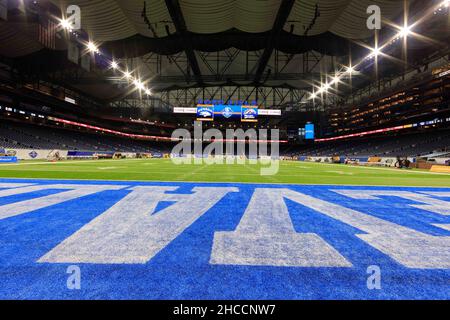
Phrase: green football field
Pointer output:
(291, 172)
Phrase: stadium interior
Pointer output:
(99, 90)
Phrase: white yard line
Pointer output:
(385, 169)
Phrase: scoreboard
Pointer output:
(211, 112)
(220, 111)
(307, 132)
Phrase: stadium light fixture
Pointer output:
(375, 52)
(139, 85)
(65, 23)
(114, 65)
(127, 75)
(404, 32)
(148, 92)
(313, 96)
(350, 70)
(336, 79)
(92, 47)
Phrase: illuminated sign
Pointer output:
(309, 131)
(249, 114)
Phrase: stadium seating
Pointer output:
(19, 135)
(416, 144)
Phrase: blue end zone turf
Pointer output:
(135, 242)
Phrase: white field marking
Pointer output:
(22, 190)
(430, 204)
(341, 172)
(83, 180)
(378, 168)
(313, 165)
(108, 168)
(442, 194)
(442, 226)
(129, 233)
(14, 185)
(73, 192)
(409, 247)
(265, 236)
(68, 162)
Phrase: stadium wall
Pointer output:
(33, 154)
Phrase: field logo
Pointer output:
(214, 153)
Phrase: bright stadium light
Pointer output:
(114, 65)
(404, 32)
(350, 70)
(336, 79)
(64, 23)
(375, 52)
(139, 85)
(148, 92)
(313, 96)
(92, 47)
(127, 75)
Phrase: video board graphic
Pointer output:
(227, 112)
(205, 112)
(249, 114)
(309, 131)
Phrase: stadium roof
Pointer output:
(175, 44)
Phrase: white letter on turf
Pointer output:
(266, 236)
(129, 233)
(74, 192)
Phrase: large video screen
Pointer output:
(210, 112)
(309, 131)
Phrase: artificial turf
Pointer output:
(292, 172)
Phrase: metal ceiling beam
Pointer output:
(280, 20)
(174, 9)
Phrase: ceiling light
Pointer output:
(139, 85)
(64, 23)
(404, 32)
(92, 47)
(127, 75)
(375, 52)
(336, 79)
